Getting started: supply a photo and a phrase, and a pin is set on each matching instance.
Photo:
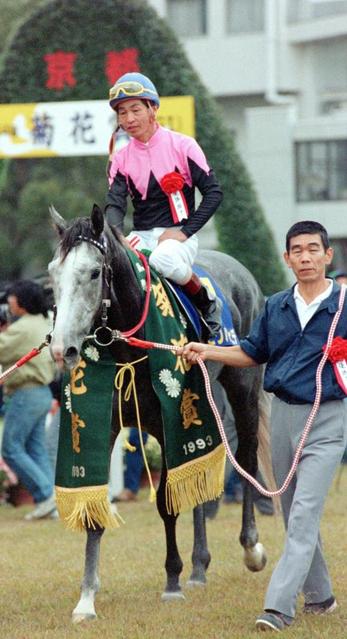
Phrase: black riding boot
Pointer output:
(207, 303)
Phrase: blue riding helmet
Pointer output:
(133, 85)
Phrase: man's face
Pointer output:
(137, 119)
(308, 258)
(14, 308)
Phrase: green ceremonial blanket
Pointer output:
(84, 441)
(195, 455)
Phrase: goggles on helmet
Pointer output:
(130, 88)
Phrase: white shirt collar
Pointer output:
(317, 300)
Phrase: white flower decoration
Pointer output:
(172, 385)
(165, 375)
(93, 353)
(183, 320)
(67, 393)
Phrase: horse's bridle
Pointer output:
(110, 334)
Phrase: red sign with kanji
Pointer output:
(60, 67)
(119, 62)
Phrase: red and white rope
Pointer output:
(20, 362)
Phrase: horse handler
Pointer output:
(289, 336)
(159, 169)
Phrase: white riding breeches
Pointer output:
(171, 258)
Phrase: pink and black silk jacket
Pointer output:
(137, 170)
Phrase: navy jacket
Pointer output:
(292, 354)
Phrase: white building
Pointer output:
(278, 69)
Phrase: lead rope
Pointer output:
(23, 360)
(267, 493)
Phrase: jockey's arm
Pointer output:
(229, 355)
(116, 202)
(212, 196)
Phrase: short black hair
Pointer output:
(30, 295)
(147, 102)
(310, 228)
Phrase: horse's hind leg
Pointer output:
(242, 387)
(85, 609)
(200, 556)
(173, 562)
(254, 552)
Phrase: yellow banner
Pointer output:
(178, 113)
(78, 128)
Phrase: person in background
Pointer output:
(28, 396)
(3, 326)
(52, 425)
(160, 169)
(134, 465)
(340, 276)
(289, 336)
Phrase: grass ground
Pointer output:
(41, 566)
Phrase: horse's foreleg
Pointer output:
(173, 562)
(85, 609)
(200, 556)
(254, 552)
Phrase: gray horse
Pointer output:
(77, 273)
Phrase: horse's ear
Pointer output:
(58, 221)
(97, 218)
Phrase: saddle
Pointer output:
(227, 335)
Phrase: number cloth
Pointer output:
(195, 455)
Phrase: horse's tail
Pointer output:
(264, 445)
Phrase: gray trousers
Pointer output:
(302, 567)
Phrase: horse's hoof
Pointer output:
(173, 596)
(79, 617)
(195, 583)
(255, 557)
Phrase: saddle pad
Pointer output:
(227, 335)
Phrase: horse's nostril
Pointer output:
(71, 352)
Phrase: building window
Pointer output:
(245, 16)
(187, 17)
(303, 10)
(321, 171)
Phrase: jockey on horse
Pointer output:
(160, 170)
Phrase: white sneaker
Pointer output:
(43, 509)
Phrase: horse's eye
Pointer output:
(95, 274)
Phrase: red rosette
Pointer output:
(172, 182)
(338, 350)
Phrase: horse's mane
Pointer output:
(82, 226)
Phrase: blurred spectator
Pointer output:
(4, 320)
(133, 467)
(52, 425)
(233, 490)
(28, 397)
(340, 276)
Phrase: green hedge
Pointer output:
(92, 28)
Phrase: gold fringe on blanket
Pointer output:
(196, 482)
(84, 507)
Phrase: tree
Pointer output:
(94, 29)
